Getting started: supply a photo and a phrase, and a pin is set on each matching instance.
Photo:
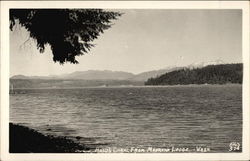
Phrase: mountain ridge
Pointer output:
(117, 75)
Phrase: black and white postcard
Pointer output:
(125, 80)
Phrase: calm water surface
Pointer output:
(179, 116)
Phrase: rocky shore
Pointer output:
(26, 140)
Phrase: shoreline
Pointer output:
(143, 86)
(26, 140)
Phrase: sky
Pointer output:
(142, 40)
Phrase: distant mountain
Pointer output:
(19, 77)
(98, 75)
(203, 64)
(211, 74)
(84, 75)
(117, 75)
(154, 73)
(103, 75)
(91, 78)
(32, 77)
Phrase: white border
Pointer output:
(244, 5)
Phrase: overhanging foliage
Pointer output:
(69, 32)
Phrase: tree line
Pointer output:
(211, 74)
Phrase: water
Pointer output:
(179, 116)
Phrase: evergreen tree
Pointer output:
(69, 32)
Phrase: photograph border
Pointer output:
(6, 5)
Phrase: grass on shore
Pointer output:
(26, 140)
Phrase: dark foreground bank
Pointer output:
(26, 140)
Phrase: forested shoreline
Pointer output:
(211, 74)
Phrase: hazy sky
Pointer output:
(143, 40)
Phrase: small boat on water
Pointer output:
(104, 85)
(12, 91)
